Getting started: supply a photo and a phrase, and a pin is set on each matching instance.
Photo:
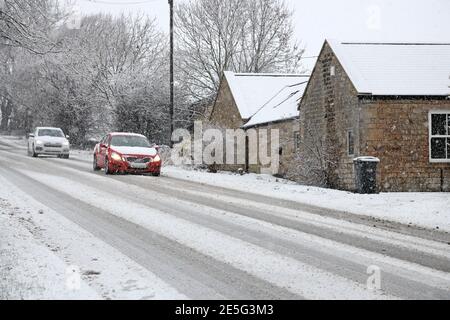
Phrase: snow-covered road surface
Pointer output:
(136, 237)
(426, 210)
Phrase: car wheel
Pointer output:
(33, 153)
(95, 165)
(156, 174)
(66, 156)
(107, 172)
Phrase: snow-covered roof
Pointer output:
(263, 97)
(283, 106)
(396, 69)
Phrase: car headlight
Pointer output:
(157, 158)
(65, 143)
(115, 156)
(39, 142)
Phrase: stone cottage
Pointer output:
(253, 102)
(388, 100)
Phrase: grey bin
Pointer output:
(366, 174)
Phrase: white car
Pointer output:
(48, 141)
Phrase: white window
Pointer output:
(332, 71)
(439, 136)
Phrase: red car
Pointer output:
(127, 153)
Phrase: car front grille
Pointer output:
(53, 145)
(138, 160)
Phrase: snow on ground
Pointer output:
(29, 270)
(43, 256)
(85, 155)
(13, 141)
(429, 210)
(297, 277)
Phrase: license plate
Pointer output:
(139, 165)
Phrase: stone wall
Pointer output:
(225, 115)
(397, 132)
(328, 111)
(225, 112)
(287, 149)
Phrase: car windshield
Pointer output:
(130, 141)
(50, 133)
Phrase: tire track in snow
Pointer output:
(194, 274)
(237, 231)
(336, 232)
(298, 278)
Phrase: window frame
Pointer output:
(297, 140)
(431, 136)
(350, 131)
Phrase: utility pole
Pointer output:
(171, 74)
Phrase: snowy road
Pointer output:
(165, 238)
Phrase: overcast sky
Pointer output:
(316, 20)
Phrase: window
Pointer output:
(332, 71)
(130, 141)
(439, 136)
(297, 139)
(50, 133)
(350, 143)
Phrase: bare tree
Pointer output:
(107, 74)
(113, 70)
(6, 72)
(314, 160)
(28, 24)
(238, 35)
(318, 155)
(119, 46)
(24, 26)
(266, 41)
